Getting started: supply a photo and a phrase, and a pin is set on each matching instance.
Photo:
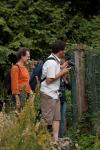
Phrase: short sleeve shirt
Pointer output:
(50, 69)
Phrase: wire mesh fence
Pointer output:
(88, 72)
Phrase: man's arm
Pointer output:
(57, 76)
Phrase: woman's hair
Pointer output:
(22, 52)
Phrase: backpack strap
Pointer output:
(49, 58)
(18, 68)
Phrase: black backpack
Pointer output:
(37, 72)
(7, 81)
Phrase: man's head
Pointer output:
(23, 54)
(58, 48)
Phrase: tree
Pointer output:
(37, 23)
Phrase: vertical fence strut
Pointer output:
(80, 81)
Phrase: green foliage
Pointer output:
(96, 31)
(23, 132)
(87, 142)
(4, 53)
(32, 24)
(83, 141)
(78, 29)
(36, 24)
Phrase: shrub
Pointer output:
(24, 131)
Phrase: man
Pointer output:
(50, 103)
(64, 86)
(20, 77)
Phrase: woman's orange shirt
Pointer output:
(19, 79)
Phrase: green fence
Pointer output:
(91, 87)
(92, 76)
(73, 92)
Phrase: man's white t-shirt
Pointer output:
(50, 69)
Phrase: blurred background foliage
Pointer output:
(37, 23)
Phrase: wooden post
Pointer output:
(80, 80)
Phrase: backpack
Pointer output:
(37, 72)
(7, 81)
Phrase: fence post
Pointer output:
(80, 80)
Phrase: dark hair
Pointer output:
(22, 52)
(57, 46)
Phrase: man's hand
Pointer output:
(65, 70)
(60, 74)
(65, 65)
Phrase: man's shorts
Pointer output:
(50, 109)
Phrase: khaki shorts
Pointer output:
(50, 109)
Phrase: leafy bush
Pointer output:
(23, 131)
(36, 24)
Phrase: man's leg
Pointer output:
(56, 120)
(63, 119)
(55, 127)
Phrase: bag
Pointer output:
(37, 72)
(7, 81)
(62, 90)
